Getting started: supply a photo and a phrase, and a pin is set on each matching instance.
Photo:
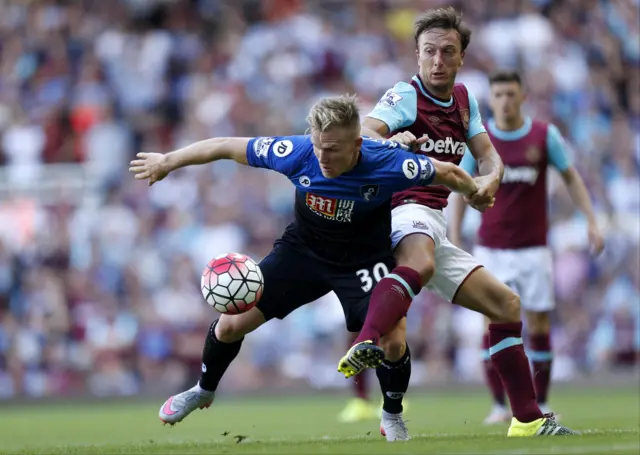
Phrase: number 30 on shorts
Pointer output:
(379, 271)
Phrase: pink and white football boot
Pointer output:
(179, 406)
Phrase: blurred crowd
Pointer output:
(99, 274)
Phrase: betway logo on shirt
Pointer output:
(446, 145)
(330, 208)
(521, 174)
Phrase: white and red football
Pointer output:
(232, 283)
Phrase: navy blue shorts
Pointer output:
(293, 279)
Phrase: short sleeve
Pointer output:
(475, 119)
(284, 154)
(408, 170)
(557, 149)
(398, 107)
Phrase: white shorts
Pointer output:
(453, 265)
(527, 271)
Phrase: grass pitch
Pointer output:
(439, 423)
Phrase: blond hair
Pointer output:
(340, 111)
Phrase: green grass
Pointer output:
(439, 423)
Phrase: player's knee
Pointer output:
(394, 343)
(393, 349)
(510, 307)
(229, 330)
(426, 271)
(538, 323)
(416, 252)
(423, 265)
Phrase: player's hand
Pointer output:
(151, 166)
(479, 204)
(408, 139)
(596, 241)
(484, 198)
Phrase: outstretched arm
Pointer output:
(454, 178)
(156, 166)
(209, 150)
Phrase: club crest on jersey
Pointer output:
(464, 115)
(330, 208)
(533, 154)
(368, 192)
(390, 98)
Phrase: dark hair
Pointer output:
(446, 18)
(505, 76)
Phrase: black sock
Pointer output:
(216, 358)
(394, 381)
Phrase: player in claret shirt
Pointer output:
(443, 114)
(341, 233)
(512, 240)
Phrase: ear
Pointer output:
(462, 54)
(418, 55)
(359, 142)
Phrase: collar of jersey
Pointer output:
(510, 135)
(428, 95)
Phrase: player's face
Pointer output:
(337, 150)
(439, 58)
(506, 100)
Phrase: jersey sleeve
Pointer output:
(468, 162)
(398, 107)
(409, 170)
(557, 149)
(283, 154)
(475, 119)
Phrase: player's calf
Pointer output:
(540, 353)
(389, 303)
(482, 292)
(394, 373)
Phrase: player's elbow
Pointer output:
(570, 175)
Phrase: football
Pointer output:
(232, 283)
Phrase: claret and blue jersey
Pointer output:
(344, 220)
(519, 216)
